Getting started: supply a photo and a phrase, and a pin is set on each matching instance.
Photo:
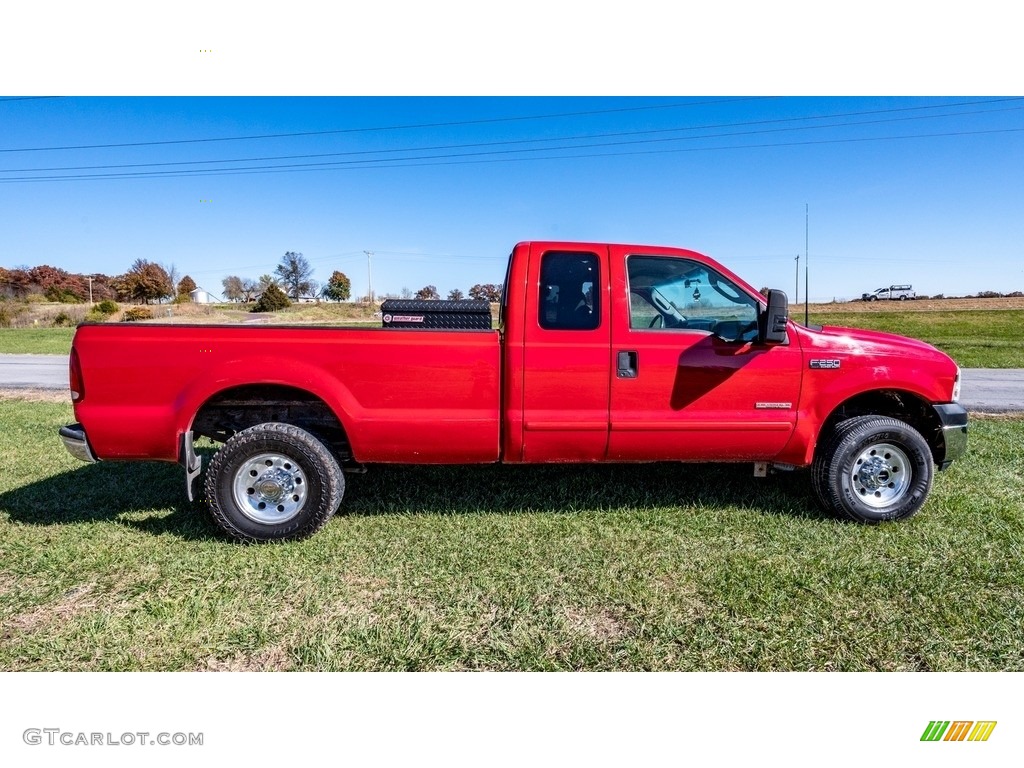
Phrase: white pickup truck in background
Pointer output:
(901, 292)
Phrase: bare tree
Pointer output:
(295, 274)
(233, 290)
(250, 289)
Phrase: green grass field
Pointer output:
(975, 338)
(655, 567)
(38, 341)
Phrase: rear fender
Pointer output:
(260, 371)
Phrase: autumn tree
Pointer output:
(486, 292)
(455, 295)
(338, 288)
(57, 284)
(185, 287)
(146, 281)
(15, 283)
(428, 292)
(295, 274)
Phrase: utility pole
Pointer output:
(369, 278)
(89, 278)
(796, 295)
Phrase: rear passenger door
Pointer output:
(566, 361)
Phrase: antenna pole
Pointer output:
(796, 294)
(807, 264)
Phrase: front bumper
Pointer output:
(953, 432)
(77, 443)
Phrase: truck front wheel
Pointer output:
(872, 469)
(273, 482)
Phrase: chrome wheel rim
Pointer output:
(270, 488)
(881, 475)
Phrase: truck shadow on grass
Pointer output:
(151, 497)
(553, 489)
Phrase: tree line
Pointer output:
(144, 283)
(148, 282)
(294, 277)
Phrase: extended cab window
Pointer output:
(570, 291)
(682, 295)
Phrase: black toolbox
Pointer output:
(469, 315)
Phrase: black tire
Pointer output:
(273, 482)
(872, 469)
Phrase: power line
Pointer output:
(456, 159)
(30, 98)
(578, 137)
(481, 121)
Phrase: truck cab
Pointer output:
(640, 354)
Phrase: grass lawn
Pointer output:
(975, 338)
(39, 341)
(655, 567)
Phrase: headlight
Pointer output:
(956, 386)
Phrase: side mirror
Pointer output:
(771, 324)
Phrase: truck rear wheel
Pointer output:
(273, 482)
(872, 469)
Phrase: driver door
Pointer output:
(689, 381)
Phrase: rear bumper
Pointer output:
(77, 443)
(954, 433)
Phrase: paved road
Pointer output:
(33, 372)
(993, 390)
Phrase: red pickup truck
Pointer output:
(604, 353)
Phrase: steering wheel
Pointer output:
(666, 307)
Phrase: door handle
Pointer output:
(628, 365)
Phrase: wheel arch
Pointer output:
(901, 404)
(232, 409)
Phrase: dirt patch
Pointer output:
(36, 395)
(272, 659)
(73, 602)
(600, 625)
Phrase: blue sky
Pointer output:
(923, 190)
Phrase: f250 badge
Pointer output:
(825, 364)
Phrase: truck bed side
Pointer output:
(400, 396)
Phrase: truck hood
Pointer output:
(881, 357)
(860, 341)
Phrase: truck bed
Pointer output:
(419, 396)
